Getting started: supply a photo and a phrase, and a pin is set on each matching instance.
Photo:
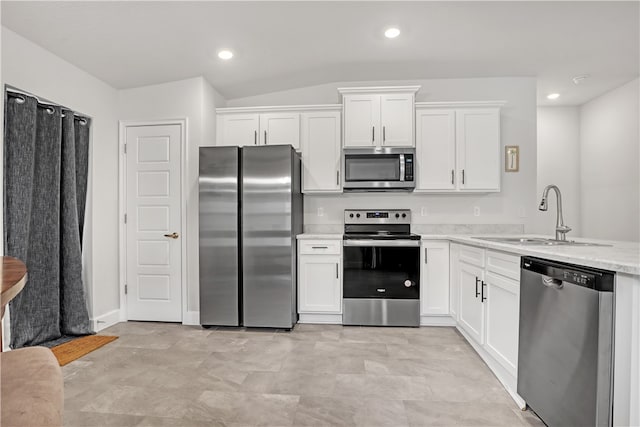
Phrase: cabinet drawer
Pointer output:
(472, 255)
(504, 264)
(320, 247)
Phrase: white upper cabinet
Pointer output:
(435, 149)
(379, 117)
(396, 119)
(361, 120)
(237, 129)
(249, 128)
(280, 129)
(458, 149)
(321, 151)
(478, 137)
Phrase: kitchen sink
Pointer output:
(533, 241)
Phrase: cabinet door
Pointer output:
(471, 307)
(396, 118)
(361, 120)
(502, 306)
(454, 284)
(436, 149)
(478, 140)
(319, 289)
(238, 130)
(434, 283)
(321, 151)
(280, 129)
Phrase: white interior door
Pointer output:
(153, 233)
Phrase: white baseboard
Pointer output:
(106, 320)
(191, 318)
(329, 319)
(437, 321)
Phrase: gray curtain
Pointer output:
(45, 184)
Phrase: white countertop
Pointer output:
(311, 236)
(622, 257)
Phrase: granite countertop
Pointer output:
(622, 257)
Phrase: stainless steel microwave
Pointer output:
(379, 169)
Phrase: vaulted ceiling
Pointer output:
(285, 45)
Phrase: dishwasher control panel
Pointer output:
(578, 278)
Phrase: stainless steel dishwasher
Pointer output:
(565, 350)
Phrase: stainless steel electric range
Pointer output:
(381, 262)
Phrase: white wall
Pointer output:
(610, 163)
(515, 204)
(558, 163)
(29, 67)
(195, 100)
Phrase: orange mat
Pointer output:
(72, 350)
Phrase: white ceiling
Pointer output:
(285, 45)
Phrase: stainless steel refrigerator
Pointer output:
(250, 215)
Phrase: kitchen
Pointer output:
(463, 190)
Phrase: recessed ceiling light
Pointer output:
(553, 96)
(225, 54)
(391, 33)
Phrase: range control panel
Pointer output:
(359, 216)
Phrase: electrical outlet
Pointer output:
(424, 211)
(476, 211)
(320, 211)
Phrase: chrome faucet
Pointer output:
(561, 229)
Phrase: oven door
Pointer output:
(388, 269)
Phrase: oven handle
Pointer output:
(383, 243)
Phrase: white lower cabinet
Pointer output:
(454, 284)
(471, 307)
(320, 282)
(434, 281)
(487, 288)
(502, 320)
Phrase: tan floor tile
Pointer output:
(250, 409)
(329, 411)
(174, 375)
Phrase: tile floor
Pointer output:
(159, 374)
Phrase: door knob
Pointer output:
(173, 235)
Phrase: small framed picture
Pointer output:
(512, 158)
